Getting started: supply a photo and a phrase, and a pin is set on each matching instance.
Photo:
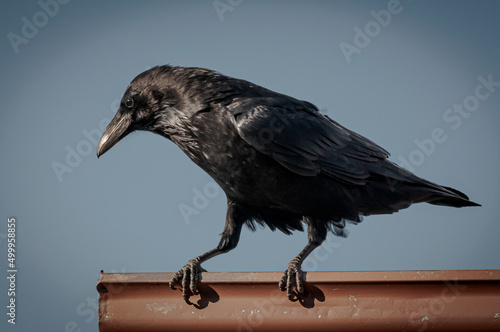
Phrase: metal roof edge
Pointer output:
(440, 300)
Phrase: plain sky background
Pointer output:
(121, 212)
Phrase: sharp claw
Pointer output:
(185, 282)
(173, 282)
(293, 276)
(299, 279)
(283, 282)
(289, 284)
(194, 280)
(188, 277)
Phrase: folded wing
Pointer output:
(309, 143)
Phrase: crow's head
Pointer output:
(151, 102)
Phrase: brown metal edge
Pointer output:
(251, 301)
(317, 277)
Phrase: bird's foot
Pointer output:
(188, 277)
(292, 276)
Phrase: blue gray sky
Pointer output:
(420, 78)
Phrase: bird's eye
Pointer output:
(129, 102)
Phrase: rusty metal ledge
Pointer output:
(334, 301)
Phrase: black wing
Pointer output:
(307, 142)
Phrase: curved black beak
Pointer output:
(117, 129)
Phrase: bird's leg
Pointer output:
(294, 274)
(190, 274)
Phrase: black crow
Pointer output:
(279, 160)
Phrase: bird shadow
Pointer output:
(309, 296)
(207, 295)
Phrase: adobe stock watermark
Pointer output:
(363, 37)
(223, 6)
(86, 146)
(436, 307)
(31, 26)
(82, 149)
(264, 136)
(262, 310)
(454, 117)
(87, 310)
(321, 254)
(200, 201)
(265, 308)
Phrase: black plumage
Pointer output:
(278, 159)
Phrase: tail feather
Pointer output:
(452, 197)
(459, 193)
(421, 190)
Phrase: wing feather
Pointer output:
(307, 142)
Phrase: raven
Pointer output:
(280, 162)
